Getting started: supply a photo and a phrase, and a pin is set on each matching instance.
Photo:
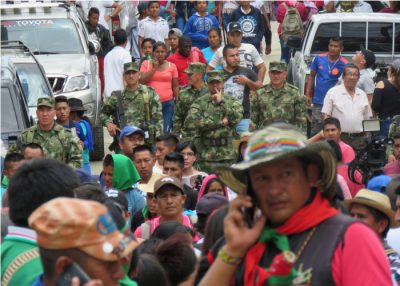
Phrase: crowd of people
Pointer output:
(211, 178)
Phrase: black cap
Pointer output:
(234, 27)
(369, 58)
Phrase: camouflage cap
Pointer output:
(215, 75)
(133, 66)
(46, 101)
(277, 66)
(65, 223)
(195, 67)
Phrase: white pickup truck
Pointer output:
(378, 32)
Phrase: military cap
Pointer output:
(46, 101)
(215, 75)
(195, 67)
(277, 66)
(133, 66)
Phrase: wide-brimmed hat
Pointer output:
(75, 104)
(66, 223)
(276, 142)
(374, 200)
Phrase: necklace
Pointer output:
(333, 66)
(306, 241)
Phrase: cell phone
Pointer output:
(249, 213)
(73, 270)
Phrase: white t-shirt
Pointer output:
(104, 7)
(248, 54)
(114, 69)
(157, 31)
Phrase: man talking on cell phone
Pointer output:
(214, 117)
(299, 238)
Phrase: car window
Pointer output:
(353, 35)
(9, 121)
(33, 83)
(324, 33)
(380, 37)
(44, 35)
(397, 38)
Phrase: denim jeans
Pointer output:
(243, 126)
(180, 22)
(226, 19)
(168, 115)
(384, 126)
(135, 44)
(285, 51)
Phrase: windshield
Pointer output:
(44, 36)
(9, 121)
(33, 83)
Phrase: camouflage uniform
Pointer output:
(136, 110)
(286, 104)
(215, 139)
(58, 143)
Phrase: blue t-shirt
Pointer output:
(208, 55)
(328, 73)
(197, 28)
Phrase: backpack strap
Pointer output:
(145, 230)
(17, 263)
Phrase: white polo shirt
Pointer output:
(158, 30)
(350, 111)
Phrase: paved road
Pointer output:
(274, 56)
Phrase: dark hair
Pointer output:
(177, 256)
(350, 66)
(333, 121)
(379, 216)
(149, 271)
(37, 182)
(159, 44)
(336, 149)
(49, 258)
(169, 139)
(169, 228)
(218, 31)
(150, 40)
(12, 158)
(61, 98)
(196, 2)
(337, 39)
(186, 144)
(184, 39)
(108, 161)
(120, 37)
(152, 2)
(218, 180)
(226, 48)
(175, 157)
(214, 229)
(91, 191)
(32, 146)
(93, 10)
(392, 190)
(142, 148)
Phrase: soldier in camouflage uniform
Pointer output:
(141, 106)
(57, 142)
(279, 101)
(213, 117)
(188, 95)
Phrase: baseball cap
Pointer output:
(65, 223)
(175, 32)
(119, 199)
(277, 66)
(234, 27)
(46, 101)
(133, 66)
(130, 129)
(369, 57)
(210, 202)
(195, 67)
(379, 183)
(142, 7)
(215, 75)
(167, 181)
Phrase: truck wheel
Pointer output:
(98, 144)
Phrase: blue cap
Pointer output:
(379, 183)
(130, 129)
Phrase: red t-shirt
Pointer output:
(353, 187)
(182, 63)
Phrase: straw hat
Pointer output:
(149, 187)
(279, 141)
(374, 200)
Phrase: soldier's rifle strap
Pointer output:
(120, 110)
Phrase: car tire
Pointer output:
(98, 144)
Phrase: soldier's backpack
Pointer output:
(292, 24)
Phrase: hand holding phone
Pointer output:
(73, 270)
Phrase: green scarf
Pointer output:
(124, 173)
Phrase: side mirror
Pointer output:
(294, 42)
(94, 47)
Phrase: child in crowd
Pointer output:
(147, 48)
(173, 36)
(83, 131)
(199, 24)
